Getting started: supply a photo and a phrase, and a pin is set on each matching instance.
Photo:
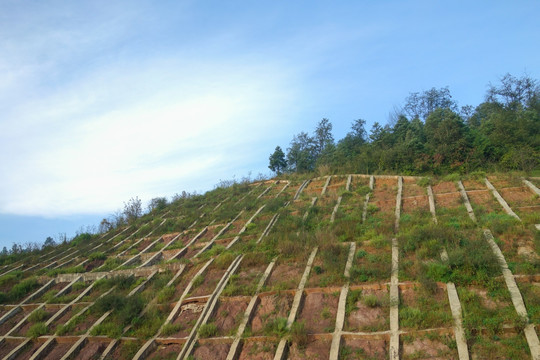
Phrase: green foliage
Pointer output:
(37, 330)
(97, 256)
(276, 327)
(165, 294)
(19, 290)
(208, 330)
(38, 315)
(299, 334)
(170, 329)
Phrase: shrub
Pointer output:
(170, 329)
(37, 330)
(38, 315)
(208, 330)
(372, 301)
(276, 327)
(97, 256)
(110, 329)
(165, 294)
(299, 334)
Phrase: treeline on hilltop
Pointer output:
(430, 134)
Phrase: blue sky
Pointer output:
(101, 101)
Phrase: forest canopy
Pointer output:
(431, 134)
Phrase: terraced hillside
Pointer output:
(340, 267)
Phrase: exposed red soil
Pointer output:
(520, 196)
(412, 204)
(65, 317)
(210, 233)
(428, 349)
(6, 346)
(315, 349)
(83, 327)
(500, 182)
(165, 351)
(315, 187)
(211, 351)
(474, 185)
(211, 279)
(185, 278)
(255, 350)
(385, 206)
(410, 188)
(89, 266)
(56, 287)
(485, 199)
(229, 314)
(91, 351)
(269, 308)
(366, 318)
(29, 350)
(384, 192)
(187, 318)
(12, 321)
(59, 350)
(367, 348)
(357, 182)
(27, 325)
(444, 187)
(285, 276)
(143, 244)
(450, 200)
(319, 312)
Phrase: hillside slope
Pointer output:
(347, 267)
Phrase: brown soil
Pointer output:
(358, 182)
(254, 350)
(444, 187)
(6, 346)
(384, 191)
(366, 318)
(185, 278)
(89, 266)
(386, 205)
(58, 351)
(428, 349)
(314, 188)
(92, 351)
(319, 312)
(29, 350)
(485, 199)
(414, 203)
(269, 308)
(521, 196)
(410, 188)
(451, 200)
(501, 182)
(211, 279)
(211, 351)
(120, 352)
(143, 244)
(166, 351)
(210, 233)
(64, 318)
(285, 276)
(12, 321)
(474, 185)
(83, 327)
(187, 318)
(27, 325)
(367, 348)
(315, 349)
(229, 314)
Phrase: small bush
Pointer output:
(165, 294)
(299, 334)
(97, 256)
(170, 329)
(37, 330)
(372, 301)
(38, 316)
(276, 327)
(107, 329)
(208, 330)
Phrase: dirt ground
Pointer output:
(254, 350)
(59, 350)
(319, 312)
(165, 352)
(12, 321)
(315, 349)
(211, 351)
(7, 346)
(269, 308)
(229, 314)
(366, 318)
(189, 313)
(29, 350)
(410, 188)
(519, 196)
(474, 185)
(91, 351)
(450, 200)
(410, 204)
(211, 279)
(365, 348)
(485, 199)
(424, 348)
(444, 187)
(285, 276)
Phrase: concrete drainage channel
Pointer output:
(194, 266)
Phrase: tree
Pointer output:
(514, 92)
(104, 226)
(277, 161)
(133, 209)
(49, 242)
(158, 203)
(301, 153)
(421, 105)
(323, 137)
